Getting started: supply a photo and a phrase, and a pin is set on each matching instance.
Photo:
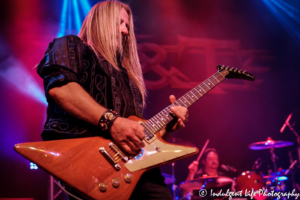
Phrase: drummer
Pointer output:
(210, 161)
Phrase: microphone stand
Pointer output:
(273, 158)
(174, 186)
(298, 140)
(287, 123)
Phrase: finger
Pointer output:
(178, 114)
(132, 146)
(172, 99)
(140, 132)
(180, 124)
(126, 148)
(137, 142)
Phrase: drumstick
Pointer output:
(203, 149)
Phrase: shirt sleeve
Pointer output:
(62, 62)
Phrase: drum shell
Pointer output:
(249, 181)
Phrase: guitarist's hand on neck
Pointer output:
(179, 121)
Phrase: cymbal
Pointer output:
(269, 144)
(168, 178)
(204, 182)
(179, 141)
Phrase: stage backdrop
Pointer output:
(180, 44)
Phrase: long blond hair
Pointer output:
(101, 31)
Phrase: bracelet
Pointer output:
(107, 119)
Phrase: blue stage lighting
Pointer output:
(33, 166)
(286, 14)
(70, 9)
(17, 75)
(85, 6)
(63, 19)
(71, 20)
(77, 16)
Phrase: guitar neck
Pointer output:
(160, 120)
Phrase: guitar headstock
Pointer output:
(231, 73)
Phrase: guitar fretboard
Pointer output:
(160, 120)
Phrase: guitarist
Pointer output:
(93, 82)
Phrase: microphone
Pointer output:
(292, 165)
(286, 123)
(257, 164)
(228, 168)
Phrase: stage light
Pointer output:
(33, 166)
(85, 6)
(71, 10)
(77, 16)
(63, 19)
(16, 74)
(288, 15)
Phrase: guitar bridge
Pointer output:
(116, 157)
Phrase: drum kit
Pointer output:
(247, 181)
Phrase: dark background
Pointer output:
(243, 34)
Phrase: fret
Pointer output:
(193, 95)
(150, 126)
(158, 121)
(181, 102)
(148, 134)
(219, 77)
(198, 92)
(153, 124)
(190, 97)
(216, 79)
(211, 82)
(168, 110)
(176, 103)
(186, 100)
(162, 118)
(166, 114)
(202, 89)
(206, 86)
(209, 85)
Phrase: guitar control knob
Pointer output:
(128, 178)
(102, 186)
(115, 182)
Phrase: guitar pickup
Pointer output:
(109, 158)
(118, 155)
(118, 151)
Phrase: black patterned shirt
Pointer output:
(68, 59)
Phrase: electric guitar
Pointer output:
(98, 169)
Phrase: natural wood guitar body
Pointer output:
(79, 163)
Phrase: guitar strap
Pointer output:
(137, 97)
(115, 94)
(138, 101)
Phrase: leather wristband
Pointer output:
(107, 119)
